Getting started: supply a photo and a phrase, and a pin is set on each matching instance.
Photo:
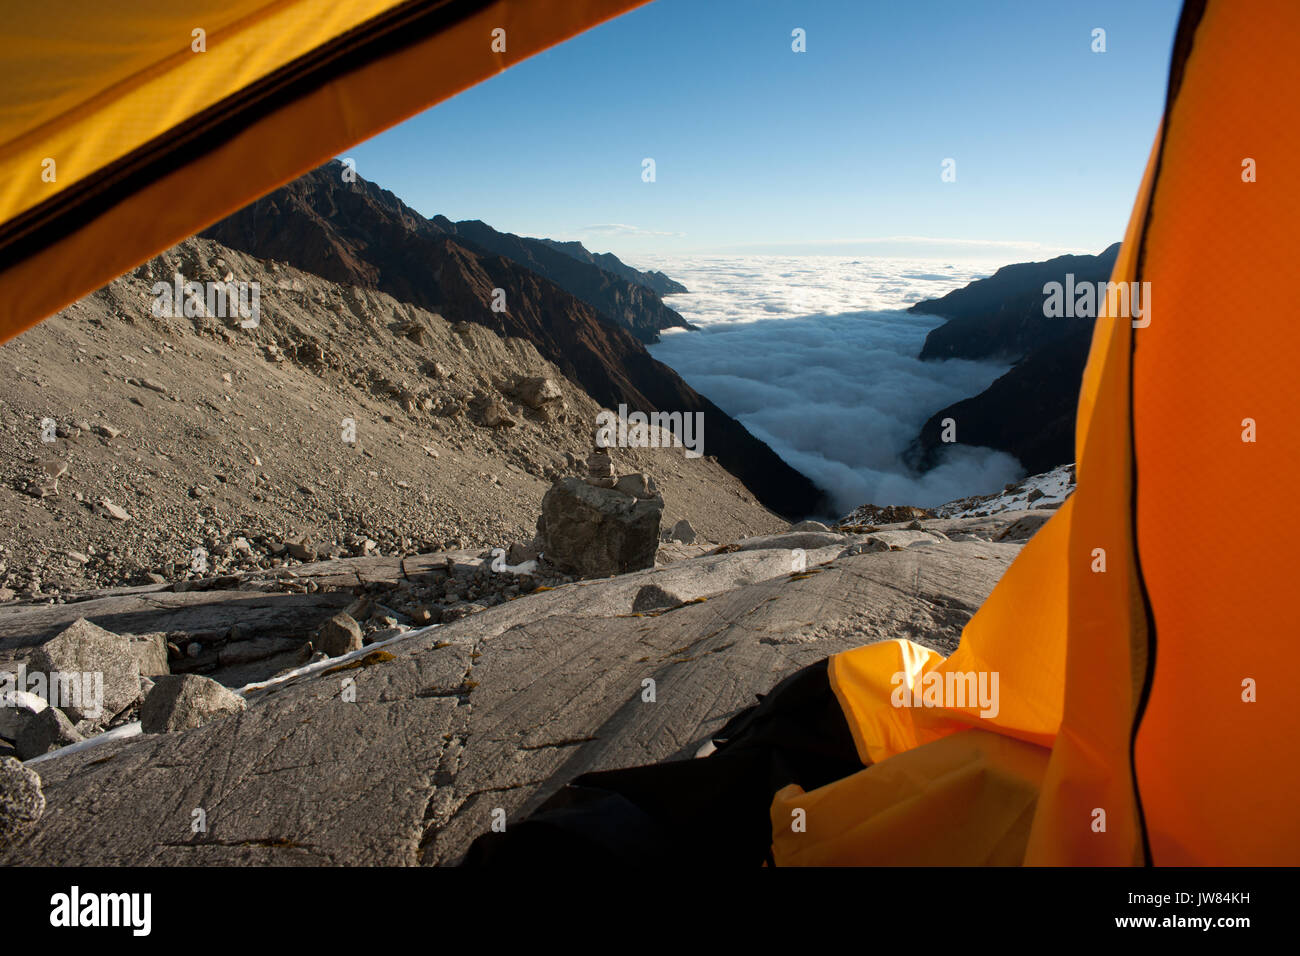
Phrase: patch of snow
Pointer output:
(117, 733)
(314, 668)
(1052, 488)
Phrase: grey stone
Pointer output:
(46, 731)
(185, 701)
(21, 799)
(1024, 527)
(597, 532)
(600, 464)
(340, 635)
(150, 652)
(16, 708)
(519, 553)
(85, 648)
(116, 512)
(496, 415)
(870, 545)
(300, 550)
(683, 532)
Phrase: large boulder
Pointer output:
(83, 650)
(597, 532)
(184, 701)
(21, 799)
(496, 415)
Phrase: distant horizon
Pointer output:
(918, 248)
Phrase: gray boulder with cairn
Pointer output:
(601, 524)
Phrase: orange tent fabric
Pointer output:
(126, 129)
(1143, 637)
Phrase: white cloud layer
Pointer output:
(817, 359)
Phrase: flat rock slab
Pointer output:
(28, 625)
(405, 760)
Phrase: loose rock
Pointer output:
(84, 649)
(184, 701)
(48, 730)
(21, 799)
(683, 532)
(340, 635)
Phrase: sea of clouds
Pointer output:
(815, 355)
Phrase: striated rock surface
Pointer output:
(404, 755)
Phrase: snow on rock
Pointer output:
(1049, 489)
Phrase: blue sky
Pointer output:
(837, 150)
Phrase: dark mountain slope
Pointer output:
(1030, 411)
(357, 233)
(1002, 316)
(626, 302)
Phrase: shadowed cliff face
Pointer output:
(1002, 316)
(1030, 411)
(359, 234)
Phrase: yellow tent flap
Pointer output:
(126, 128)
